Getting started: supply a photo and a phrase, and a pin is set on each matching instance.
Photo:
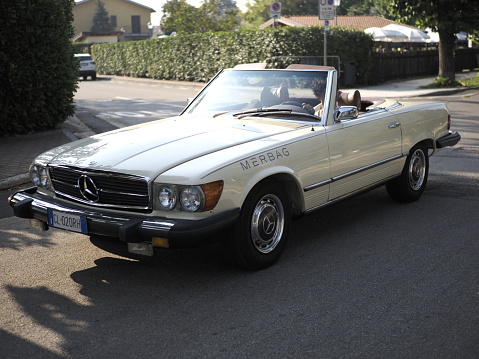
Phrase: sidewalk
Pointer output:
(19, 151)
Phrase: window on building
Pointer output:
(135, 24)
(113, 21)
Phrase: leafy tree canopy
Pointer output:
(443, 16)
(101, 19)
(212, 15)
(455, 16)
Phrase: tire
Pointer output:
(260, 235)
(410, 185)
(84, 78)
(93, 77)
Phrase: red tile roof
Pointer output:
(354, 22)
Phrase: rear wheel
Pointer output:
(260, 235)
(410, 185)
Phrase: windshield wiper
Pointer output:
(261, 111)
(252, 111)
(220, 113)
(280, 112)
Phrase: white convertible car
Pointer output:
(254, 149)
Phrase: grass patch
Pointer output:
(441, 82)
(471, 82)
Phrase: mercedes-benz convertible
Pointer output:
(255, 148)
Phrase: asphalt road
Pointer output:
(125, 102)
(365, 278)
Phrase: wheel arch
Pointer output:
(428, 142)
(290, 184)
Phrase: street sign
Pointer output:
(275, 9)
(326, 9)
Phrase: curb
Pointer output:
(449, 91)
(14, 181)
(165, 83)
(72, 128)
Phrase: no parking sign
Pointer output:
(275, 9)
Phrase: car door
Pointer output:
(363, 151)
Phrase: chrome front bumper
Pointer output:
(128, 227)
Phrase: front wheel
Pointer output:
(410, 185)
(260, 235)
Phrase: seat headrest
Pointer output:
(349, 99)
(271, 96)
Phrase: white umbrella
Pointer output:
(413, 35)
(434, 36)
(462, 36)
(380, 34)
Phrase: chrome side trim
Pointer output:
(365, 168)
(394, 106)
(352, 173)
(317, 185)
(361, 190)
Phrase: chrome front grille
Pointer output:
(102, 189)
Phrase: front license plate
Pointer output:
(70, 222)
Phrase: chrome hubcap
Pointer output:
(267, 223)
(417, 170)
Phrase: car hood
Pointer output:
(153, 148)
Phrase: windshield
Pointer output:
(238, 91)
(84, 58)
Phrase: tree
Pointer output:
(101, 19)
(355, 7)
(38, 71)
(443, 16)
(257, 12)
(212, 15)
(179, 17)
(381, 8)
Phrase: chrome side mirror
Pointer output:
(346, 113)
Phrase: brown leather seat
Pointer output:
(271, 96)
(350, 99)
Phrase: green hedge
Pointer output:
(37, 69)
(198, 57)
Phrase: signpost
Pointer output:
(275, 11)
(326, 9)
(326, 13)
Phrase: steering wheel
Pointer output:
(291, 103)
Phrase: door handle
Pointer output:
(394, 125)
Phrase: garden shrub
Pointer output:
(37, 69)
(198, 57)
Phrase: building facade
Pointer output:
(130, 20)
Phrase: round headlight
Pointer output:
(34, 175)
(167, 198)
(44, 181)
(191, 199)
